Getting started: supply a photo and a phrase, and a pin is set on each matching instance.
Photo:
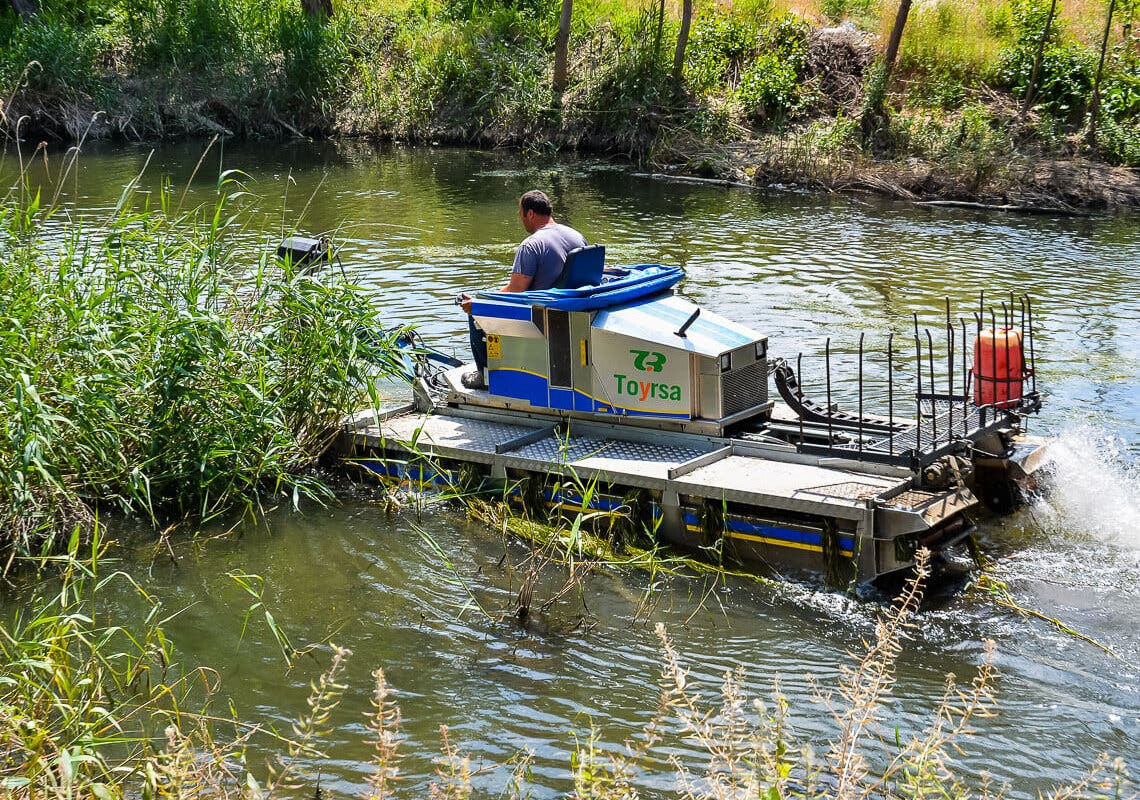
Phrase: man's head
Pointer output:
(534, 210)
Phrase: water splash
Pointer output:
(1094, 487)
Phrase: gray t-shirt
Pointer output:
(542, 255)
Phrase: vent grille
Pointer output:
(744, 388)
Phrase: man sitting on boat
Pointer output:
(538, 265)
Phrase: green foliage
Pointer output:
(719, 45)
(480, 70)
(466, 10)
(187, 34)
(999, 19)
(770, 89)
(948, 47)
(632, 90)
(1120, 87)
(153, 366)
(1064, 81)
(1027, 21)
(488, 72)
(80, 697)
(65, 58)
(941, 90)
(1119, 134)
(839, 10)
(836, 137)
(1121, 141)
(970, 141)
(316, 54)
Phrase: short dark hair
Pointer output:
(536, 201)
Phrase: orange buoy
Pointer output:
(999, 367)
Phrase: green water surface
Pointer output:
(416, 226)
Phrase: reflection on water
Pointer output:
(417, 226)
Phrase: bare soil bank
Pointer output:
(1020, 181)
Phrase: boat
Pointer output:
(614, 394)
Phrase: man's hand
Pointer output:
(465, 301)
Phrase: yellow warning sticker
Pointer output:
(494, 346)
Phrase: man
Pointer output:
(538, 265)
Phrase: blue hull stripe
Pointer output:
(482, 308)
(737, 528)
(771, 534)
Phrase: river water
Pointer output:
(416, 226)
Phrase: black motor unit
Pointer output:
(302, 251)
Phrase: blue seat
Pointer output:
(621, 286)
(584, 266)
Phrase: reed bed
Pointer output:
(151, 365)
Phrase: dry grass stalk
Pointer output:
(863, 687)
(452, 771)
(385, 723)
(749, 748)
(747, 744)
(518, 785)
(922, 767)
(324, 696)
(1108, 778)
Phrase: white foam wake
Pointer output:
(1095, 487)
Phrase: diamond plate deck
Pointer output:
(738, 477)
(912, 499)
(780, 484)
(554, 450)
(852, 490)
(476, 435)
(614, 457)
(646, 459)
(931, 433)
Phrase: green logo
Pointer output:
(647, 360)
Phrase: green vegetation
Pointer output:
(465, 71)
(92, 708)
(148, 364)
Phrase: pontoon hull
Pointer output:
(758, 503)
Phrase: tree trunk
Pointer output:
(877, 92)
(1037, 60)
(1094, 105)
(561, 51)
(26, 9)
(318, 8)
(895, 41)
(682, 40)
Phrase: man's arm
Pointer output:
(518, 283)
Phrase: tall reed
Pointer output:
(150, 363)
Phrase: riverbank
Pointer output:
(763, 93)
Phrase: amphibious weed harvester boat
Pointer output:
(613, 394)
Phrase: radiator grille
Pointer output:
(745, 387)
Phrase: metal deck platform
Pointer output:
(787, 494)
